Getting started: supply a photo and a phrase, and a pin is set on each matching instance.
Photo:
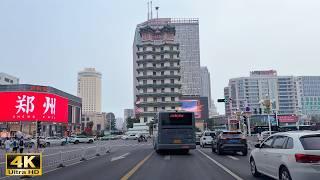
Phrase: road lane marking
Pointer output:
(221, 166)
(132, 171)
(234, 158)
(168, 157)
(119, 157)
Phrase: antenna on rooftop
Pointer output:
(151, 10)
(157, 9)
(148, 9)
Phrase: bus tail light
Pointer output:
(305, 158)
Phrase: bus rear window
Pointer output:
(184, 119)
(310, 142)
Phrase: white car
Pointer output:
(81, 139)
(206, 138)
(291, 155)
(129, 137)
(51, 141)
(265, 134)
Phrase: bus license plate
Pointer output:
(177, 141)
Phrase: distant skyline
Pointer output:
(48, 42)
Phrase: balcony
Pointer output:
(158, 52)
(158, 104)
(159, 77)
(159, 94)
(157, 61)
(168, 85)
(159, 68)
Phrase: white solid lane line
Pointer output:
(221, 166)
(234, 158)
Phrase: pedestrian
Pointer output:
(15, 145)
(7, 145)
(21, 145)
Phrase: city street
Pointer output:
(132, 160)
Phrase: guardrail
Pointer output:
(62, 158)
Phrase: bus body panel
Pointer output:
(174, 133)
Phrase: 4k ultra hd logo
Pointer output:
(27, 164)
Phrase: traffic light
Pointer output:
(260, 110)
(255, 111)
(39, 127)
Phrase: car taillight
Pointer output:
(305, 158)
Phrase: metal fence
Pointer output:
(63, 158)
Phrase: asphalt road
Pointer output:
(130, 160)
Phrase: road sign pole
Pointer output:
(249, 126)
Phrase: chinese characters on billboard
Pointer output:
(32, 106)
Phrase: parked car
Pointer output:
(198, 136)
(206, 138)
(264, 135)
(108, 137)
(51, 141)
(81, 139)
(29, 143)
(129, 137)
(230, 141)
(293, 155)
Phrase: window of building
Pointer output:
(144, 73)
(154, 81)
(144, 57)
(145, 109)
(161, 48)
(145, 119)
(162, 81)
(155, 109)
(173, 107)
(154, 90)
(154, 73)
(172, 99)
(171, 48)
(144, 81)
(162, 64)
(163, 108)
(162, 90)
(171, 56)
(177, 55)
(144, 90)
(145, 99)
(144, 48)
(171, 72)
(154, 99)
(171, 64)
(162, 56)
(154, 64)
(153, 48)
(163, 99)
(172, 89)
(153, 57)
(162, 73)
(144, 65)
(172, 81)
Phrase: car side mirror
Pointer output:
(257, 146)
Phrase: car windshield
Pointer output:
(212, 134)
(311, 142)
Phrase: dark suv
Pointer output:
(230, 141)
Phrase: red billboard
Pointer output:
(32, 106)
(288, 118)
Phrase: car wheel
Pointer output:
(244, 152)
(219, 152)
(284, 174)
(253, 168)
(76, 142)
(90, 141)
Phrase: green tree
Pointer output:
(130, 122)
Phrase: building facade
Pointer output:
(186, 37)
(157, 67)
(99, 121)
(205, 90)
(50, 125)
(128, 113)
(6, 79)
(308, 88)
(89, 89)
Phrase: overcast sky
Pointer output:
(47, 42)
